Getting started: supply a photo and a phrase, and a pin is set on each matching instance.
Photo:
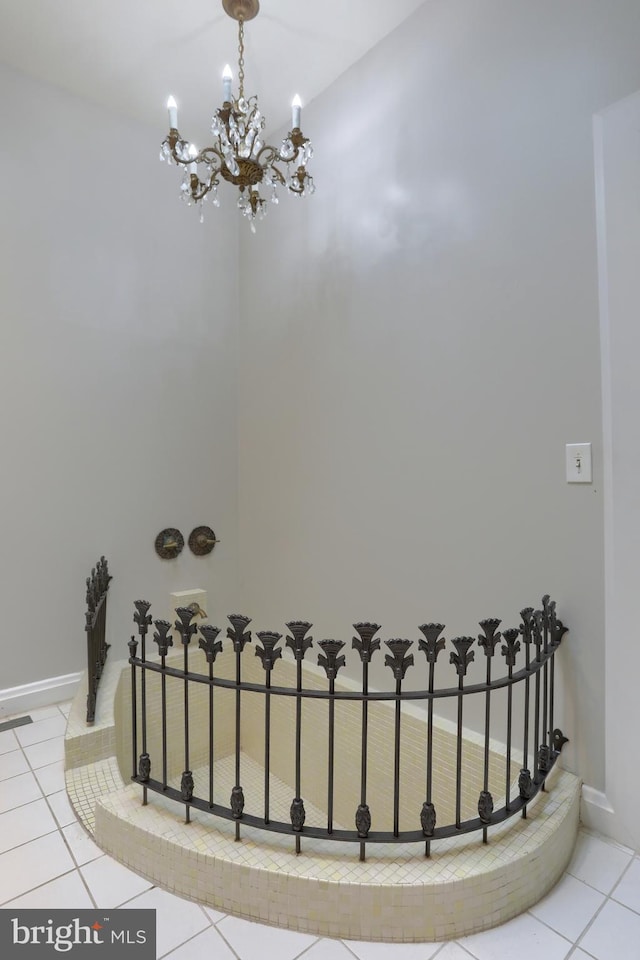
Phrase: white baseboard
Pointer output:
(29, 696)
(597, 813)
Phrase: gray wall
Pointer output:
(420, 340)
(117, 376)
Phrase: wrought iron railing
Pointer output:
(531, 736)
(95, 626)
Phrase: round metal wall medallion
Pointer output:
(169, 543)
(202, 540)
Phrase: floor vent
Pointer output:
(17, 722)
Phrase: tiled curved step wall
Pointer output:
(396, 895)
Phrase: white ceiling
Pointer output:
(131, 54)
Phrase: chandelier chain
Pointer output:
(241, 56)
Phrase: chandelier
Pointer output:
(239, 155)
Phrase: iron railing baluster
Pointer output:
(269, 652)
(545, 750)
(366, 644)
(299, 643)
(461, 659)
(186, 629)
(488, 641)
(525, 782)
(399, 661)
(143, 621)
(133, 648)
(509, 651)
(331, 661)
(97, 586)
(432, 646)
(164, 640)
(537, 639)
(212, 647)
(238, 634)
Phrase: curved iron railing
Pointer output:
(535, 641)
(95, 627)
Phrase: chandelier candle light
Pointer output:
(239, 155)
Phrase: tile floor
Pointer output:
(47, 860)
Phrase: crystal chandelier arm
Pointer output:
(266, 156)
(296, 184)
(212, 157)
(277, 175)
(199, 190)
(273, 154)
(179, 150)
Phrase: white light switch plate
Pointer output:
(578, 463)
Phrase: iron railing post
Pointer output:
(510, 650)
(212, 647)
(432, 646)
(269, 652)
(399, 661)
(186, 629)
(366, 644)
(461, 659)
(239, 636)
(331, 661)
(299, 643)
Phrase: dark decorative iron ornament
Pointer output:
(526, 785)
(363, 820)
(398, 660)
(187, 786)
(331, 662)
(209, 642)
(365, 643)
(269, 652)
(236, 632)
(526, 627)
(463, 656)
(237, 802)
(141, 616)
(298, 814)
(432, 645)
(490, 636)
(558, 737)
(537, 628)
(544, 758)
(299, 642)
(428, 819)
(485, 806)
(239, 154)
(162, 637)
(144, 767)
(183, 624)
(511, 646)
